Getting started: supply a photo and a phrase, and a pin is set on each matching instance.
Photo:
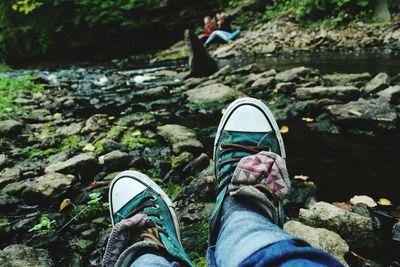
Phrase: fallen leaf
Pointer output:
(309, 182)
(65, 203)
(307, 119)
(284, 129)
(343, 205)
(162, 110)
(301, 177)
(384, 202)
(272, 102)
(275, 91)
(363, 199)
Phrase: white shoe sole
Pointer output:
(260, 106)
(149, 183)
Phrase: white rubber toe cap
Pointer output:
(248, 118)
(124, 190)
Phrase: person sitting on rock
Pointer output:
(209, 27)
(224, 30)
(244, 227)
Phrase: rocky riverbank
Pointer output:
(59, 156)
(283, 36)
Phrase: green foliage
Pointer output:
(71, 143)
(134, 140)
(5, 68)
(93, 208)
(44, 226)
(196, 247)
(310, 10)
(31, 27)
(9, 88)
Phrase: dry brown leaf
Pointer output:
(301, 177)
(343, 205)
(284, 129)
(307, 119)
(272, 102)
(65, 203)
(384, 202)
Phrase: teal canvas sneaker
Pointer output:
(249, 160)
(143, 217)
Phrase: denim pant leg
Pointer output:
(243, 231)
(221, 34)
(153, 260)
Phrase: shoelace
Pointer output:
(229, 148)
(148, 230)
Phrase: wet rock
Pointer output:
(68, 130)
(39, 115)
(321, 238)
(95, 123)
(181, 138)
(378, 83)
(263, 83)
(211, 94)
(263, 75)
(346, 78)
(48, 187)
(203, 187)
(115, 160)
(21, 255)
(344, 93)
(83, 163)
(151, 94)
(3, 160)
(365, 113)
(294, 74)
(62, 156)
(9, 127)
(286, 88)
(392, 93)
(301, 194)
(251, 68)
(140, 119)
(9, 175)
(354, 228)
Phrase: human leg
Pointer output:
(221, 34)
(252, 183)
(146, 229)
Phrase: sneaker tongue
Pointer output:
(246, 138)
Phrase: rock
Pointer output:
(180, 137)
(365, 113)
(10, 127)
(9, 175)
(48, 187)
(321, 238)
(3, 160)
(254, 77)
(115, 160)
(346, 78)
(251, 68)
(293, 74)
(211, 94)
(200, 62)
(68, 130)
(83, 163)
(263, 83)
(39, 115)
(286, 88)
(354, 228)
(95, 123)
(21, 255)
(392, 93)
(379, 82)
(301, 193)
(344, 93)
(137, 119)
(151, 94)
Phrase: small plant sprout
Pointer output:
(44, 226)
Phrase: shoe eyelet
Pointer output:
(161, 219)
(153, 198)
(169, 238)
(156, 206)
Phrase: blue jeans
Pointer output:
(247, 238)
(221, 34)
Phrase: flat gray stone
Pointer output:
(210, 94)
(336, 92)
(21, 255)
(73, 164)
(321, 238)
(378, 83)
(48, 187)
(369, 113)
(180, 137)
(95, 123)
(71, 129)
(293, 74)
(346, 78)
(8, 127)
(392, 93)
(354, 228)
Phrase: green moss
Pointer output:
(83, 245)
(115, 132)
(5, 68)
(172, 190)
(9, 88)
(71, 143)
(200, 262)
(195, 238)
(171, 55)
(134, 139)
